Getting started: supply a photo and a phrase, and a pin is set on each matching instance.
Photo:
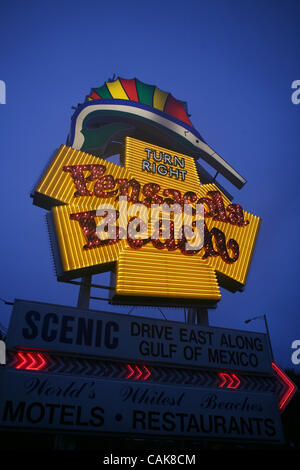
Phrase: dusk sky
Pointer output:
(232, 62)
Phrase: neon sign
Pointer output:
(77, 183)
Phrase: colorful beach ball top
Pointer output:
(128, 106)
(139, 92)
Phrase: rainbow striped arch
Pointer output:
(135, 90)
(130, 107)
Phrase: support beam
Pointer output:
(84, 292)
(197, 316)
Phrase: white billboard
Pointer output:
(67, 403)
(103, 334)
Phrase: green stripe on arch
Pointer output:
(103, 91)
(145, 93)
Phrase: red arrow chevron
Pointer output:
(289, 388)
(229, 380)
(131, 372)
(43, 362)
(30, 361)
(20, 356)
(147, 373)
(140, 372)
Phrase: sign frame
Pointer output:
(37, 325)
(123, 408)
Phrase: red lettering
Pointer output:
(220, 212)
(208, 244)
(125, 184)
(222, 249)
(89, 227)
(236, 215)
(88, 224)
(104, 183)
(135, 225)
(77, 173)
(211, 206)
(189, 197)
(176, 196)
(150, 191)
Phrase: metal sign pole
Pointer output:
(84, 292)
(268, 334)
(197, 315)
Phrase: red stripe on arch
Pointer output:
(130, 88)
(94, 96)
(176, 109)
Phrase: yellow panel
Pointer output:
(237, 271)
(138, 269)
(58, 185)
(116, 90)
(71, 241)
(246, 238)
(139, 273)
(159, 99)
(135, 154)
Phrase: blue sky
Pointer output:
(233, 62)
